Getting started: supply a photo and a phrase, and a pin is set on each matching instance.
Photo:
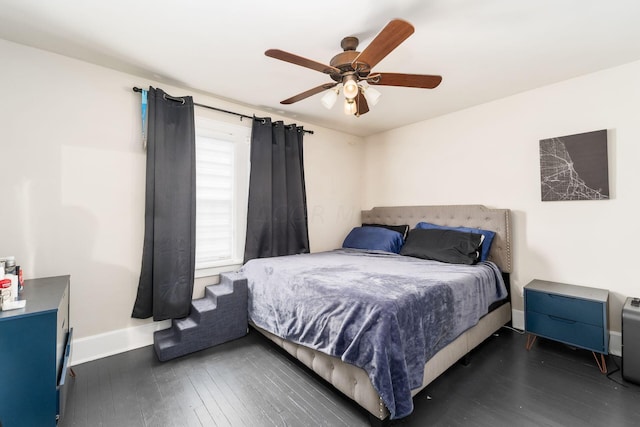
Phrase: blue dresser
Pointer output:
(575, 315)
(35, 347)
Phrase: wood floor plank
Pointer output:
(76, 409)
(308, 393)
(198, 377)
(268, 400)
(122, 383)
(251, 382)
(229, 380)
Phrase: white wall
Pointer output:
(489, 155)
(73, 180)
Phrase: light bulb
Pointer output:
(350, 87)
(350, 107)
(372, 95)
(329, 99)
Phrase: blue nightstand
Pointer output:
(574, 315)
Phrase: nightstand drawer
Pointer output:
(568, 331)
(579, 310)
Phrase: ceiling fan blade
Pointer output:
(395, 32)
(362, 107)
(308, 93)
(406, 80)
(299, 60)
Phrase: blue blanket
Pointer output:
(385, 313)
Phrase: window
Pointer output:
(222, 180)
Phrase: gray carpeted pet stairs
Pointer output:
(219, 317)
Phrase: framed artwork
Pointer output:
(575, 167)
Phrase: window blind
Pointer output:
(215, 177)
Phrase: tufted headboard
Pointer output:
(477, 216)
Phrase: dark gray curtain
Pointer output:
(168, 258)
(277, 212)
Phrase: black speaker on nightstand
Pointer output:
(631, 340)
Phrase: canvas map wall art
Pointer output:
(575, 167)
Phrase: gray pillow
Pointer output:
(456, 247)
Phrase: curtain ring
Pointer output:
(264, 121)
(171, 98)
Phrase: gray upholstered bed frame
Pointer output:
(353, 381)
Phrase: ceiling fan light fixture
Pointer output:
(329, 99)
(350, 107)
(372, 95)
(350, 87)
(351, 71)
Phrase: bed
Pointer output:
(377, 384)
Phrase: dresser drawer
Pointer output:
(576, 309)
(571, 332)
(62, 330)
(64, 373)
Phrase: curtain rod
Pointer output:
(137, 89)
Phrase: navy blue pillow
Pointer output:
(402, 229)
(486, 243)
(375, 239)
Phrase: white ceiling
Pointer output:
(484, 50)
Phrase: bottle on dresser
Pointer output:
(5, 286)
(10, 276)
(12, 268)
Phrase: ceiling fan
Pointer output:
(350, 68)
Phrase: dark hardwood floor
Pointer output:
(251, 382)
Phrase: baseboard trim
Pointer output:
(615, 343)
(107, 344)
(517, 319)
(615, 338)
